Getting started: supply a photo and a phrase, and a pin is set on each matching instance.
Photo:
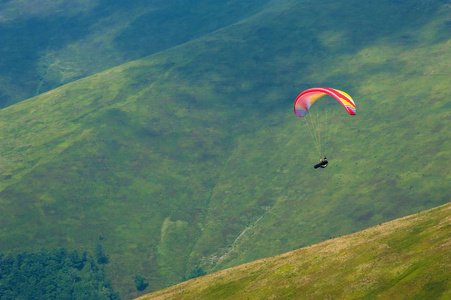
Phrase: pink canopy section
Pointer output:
(308, 97)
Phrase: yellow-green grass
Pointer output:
(408, 258)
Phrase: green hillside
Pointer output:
(45, 44)
(192, 157)
(407, 258)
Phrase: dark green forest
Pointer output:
(55, 274)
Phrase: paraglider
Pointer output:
(306, 99)
(322, 163)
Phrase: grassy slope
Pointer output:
(389, 160)
(172, 157)
(45, 44)
(407, 258)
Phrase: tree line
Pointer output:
(55, 274)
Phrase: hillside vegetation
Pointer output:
(408, 258)
(45, 43)
(54, 274)
(193, 158)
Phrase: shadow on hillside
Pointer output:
(178, 22)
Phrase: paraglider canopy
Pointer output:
(317, 123)
(308, 97)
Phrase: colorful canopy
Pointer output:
(308, 97)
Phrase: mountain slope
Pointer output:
(45, 44)
(389, 160)
(407, 258)
(193, 157)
